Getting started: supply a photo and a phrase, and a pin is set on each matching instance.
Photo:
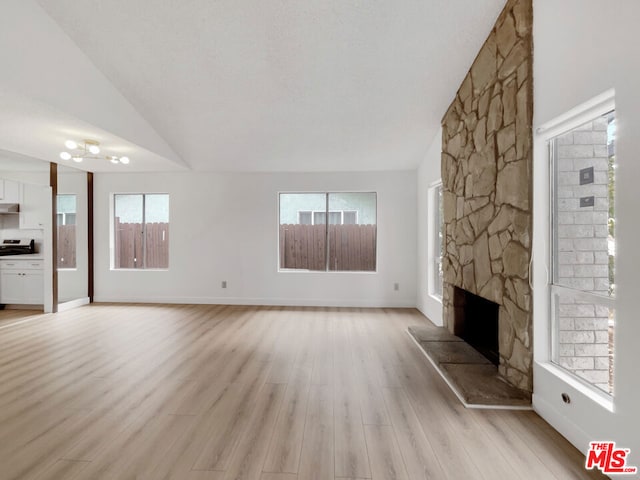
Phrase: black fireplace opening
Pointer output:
(476, 322)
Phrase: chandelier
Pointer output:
(78, 151)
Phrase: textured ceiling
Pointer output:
(285, 85)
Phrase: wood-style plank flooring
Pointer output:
(230, 392)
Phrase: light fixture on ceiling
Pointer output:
(88, 149)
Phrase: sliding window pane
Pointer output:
(128, 227)
(66, 208)
(156, 228)
(302, 244)
(352, 246)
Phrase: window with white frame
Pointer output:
(346, 242)
(435, 223)
(582, 260)
(141, 231)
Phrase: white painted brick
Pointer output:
(598, 164)
(583, 323)
(565, 245)
(601, 349)
(600, 151)
(590, 138)
(565, 271)
(601, 204)
(577, 363)
(602, 311)
(585, 350)
(566, 323)
(575, 151)
(584, 258)
(601, 284)
(601, 257)
(586, 284)
(568, 204)
(575, 231)
(566, 179)
(576, 337)
(593, 189)
(576, 310)
(589, 244)
(601, 231)
(590, 218)
(566, 350)
(566, 139)
(567, 218)
(591, 270)
(601, 178)
(567, 258)
(602, 363)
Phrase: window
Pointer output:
(141, 226)
(335, 217)
(436, 240)
(583, 250)
(66, 227)
(346, 243)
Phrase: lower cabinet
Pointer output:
(21, 282)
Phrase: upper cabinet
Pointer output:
(34, 206)
(9, 191)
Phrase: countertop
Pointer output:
(27, 256)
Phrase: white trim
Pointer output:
(294, 302)
(579, 115)
(571, 431)
(433, 206)
(71, 304)
(584, 387)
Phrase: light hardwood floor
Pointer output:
(269, 393)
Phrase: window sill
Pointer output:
(593, 393)
(437, 298)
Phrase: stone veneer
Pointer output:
(487, 182)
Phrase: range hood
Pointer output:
(7, 208)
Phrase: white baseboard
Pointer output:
(62, 307)
(287, 302)
(569, 430)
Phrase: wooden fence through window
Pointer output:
(129, 245)
(351, 247)
(66, 246)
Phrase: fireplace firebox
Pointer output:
(476, 322)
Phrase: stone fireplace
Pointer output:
(487, 181)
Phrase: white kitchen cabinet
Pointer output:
(35, 205)
(22, 282)
(9, 191)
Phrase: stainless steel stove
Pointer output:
(20, 246)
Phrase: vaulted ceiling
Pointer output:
(285, 85)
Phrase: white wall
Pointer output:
(583, 48)
(428, 173)
(225, 226)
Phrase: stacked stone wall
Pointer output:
(487, 181)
